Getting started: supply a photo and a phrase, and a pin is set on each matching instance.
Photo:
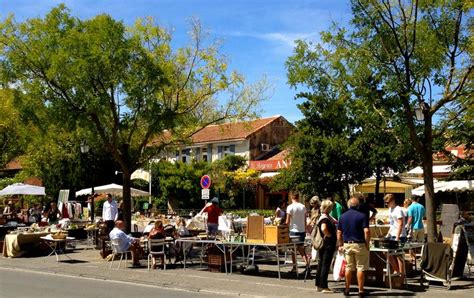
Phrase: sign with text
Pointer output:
(269, 165)
(205, 193)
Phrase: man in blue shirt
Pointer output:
(416, 212)
(353, 238)
(125, 242)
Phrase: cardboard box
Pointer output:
(276, 234)
(255, 229)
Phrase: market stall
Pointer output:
(17, 244)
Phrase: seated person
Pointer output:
(158, 232)
(126, 242)
(182, 230)
(181, 247)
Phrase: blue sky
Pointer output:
(257, 35)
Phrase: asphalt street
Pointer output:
(21, 283)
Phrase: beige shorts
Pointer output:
(418, 235)
(357, 256)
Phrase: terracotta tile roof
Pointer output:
(282, 155)
(14, 164)
(231, 131)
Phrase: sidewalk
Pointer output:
(89, 264)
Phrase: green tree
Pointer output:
(178, 183)
(124, 86)
(14, 135)
(416, 54)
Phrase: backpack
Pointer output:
(316, 236)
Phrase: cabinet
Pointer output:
(277, 234)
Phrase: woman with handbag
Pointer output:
(327, 230)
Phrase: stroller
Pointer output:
(437, 263)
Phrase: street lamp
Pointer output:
(85, 149)
(420, 111)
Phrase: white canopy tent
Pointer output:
(23, 189)
(113, 188)
(437, 169)
(455, 186)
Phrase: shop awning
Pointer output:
(454, 186)
(384, 187)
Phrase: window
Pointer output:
(204, 154)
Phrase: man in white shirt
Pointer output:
(109, 212)
(125, 242)
(296, 221)
(397, 230)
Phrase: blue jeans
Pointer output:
(212, 228)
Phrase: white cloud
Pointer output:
(286, 40)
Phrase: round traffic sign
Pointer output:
(205, 181)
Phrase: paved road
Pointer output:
(21, 283)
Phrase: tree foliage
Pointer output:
(123, 86)
(397, 56)
(14, 135)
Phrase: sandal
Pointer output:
(293, 270)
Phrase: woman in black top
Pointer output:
(327, 228)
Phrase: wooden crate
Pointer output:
(276, 234)
(215, 259)
(255, 229)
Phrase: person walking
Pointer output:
(109, 212)
(396, 231)
(315, 204)
(353, 237)
(296, 221)
(336, 210)
(327, 227)
(415, 213)
(366, 208)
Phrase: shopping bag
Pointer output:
(339, 269)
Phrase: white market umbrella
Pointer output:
(112, 188)
(455, 186)
(22, 189)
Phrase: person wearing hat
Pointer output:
(213, 211)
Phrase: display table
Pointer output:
(12, 246)
(385, 253)
(273, 248)
(203, 243)
(231, 247)
(56, 246)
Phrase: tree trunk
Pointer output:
(427, 157)
(377, 184)
(127, 202)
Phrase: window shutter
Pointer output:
(198, 154)
(219, 152)
(209, 153)
(232, 149)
